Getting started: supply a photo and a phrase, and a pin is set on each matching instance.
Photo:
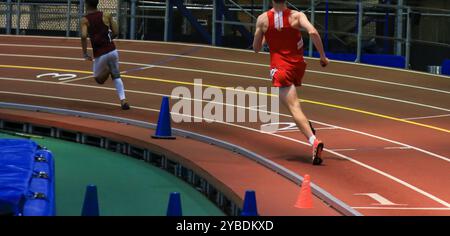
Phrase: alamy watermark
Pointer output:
(218, 104)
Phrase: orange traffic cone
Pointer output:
(304, 199)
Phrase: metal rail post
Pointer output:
(18, 17)
(327, 13)
(265, 5)
(168, 21)
(313, 20)
(133, 19)
(8, 17)
(214, 18)
(69, 17)
(360, 29)
(80, 15)
(399, 23)
(408, 38)
(386, 28)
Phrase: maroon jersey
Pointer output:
(100, 34)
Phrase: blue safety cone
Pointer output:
(163, 129)
(174, 207)
(250, 208)
(90, 204)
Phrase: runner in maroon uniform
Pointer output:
(101, 29)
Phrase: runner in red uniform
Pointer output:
(101, 29)
(280, 28)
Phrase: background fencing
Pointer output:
(411, 34)
(41, 17)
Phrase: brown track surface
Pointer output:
(364, 102)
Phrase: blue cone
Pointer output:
(90, 204)
(163, 129)
(250, 208)
(174, 207)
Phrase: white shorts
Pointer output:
(107, 63)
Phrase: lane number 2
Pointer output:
(279, 127)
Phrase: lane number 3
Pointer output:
(60, 77)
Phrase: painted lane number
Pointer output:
(60, 77)
(279, 127)
(382, 201)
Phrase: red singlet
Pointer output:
(286, 60)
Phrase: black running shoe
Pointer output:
(317, 152)
(125, 105)
(312, 128)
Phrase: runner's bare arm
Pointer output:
(259, 35)
(114, 26)
(315, 36)
(84, 35)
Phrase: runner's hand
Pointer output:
(324, 61)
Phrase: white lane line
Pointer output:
(405, 208)
(343, 149)
(231, 49)
(387, 140)
(233, 75)
(377, 96)
(326, 128)
(275, 113)
(77, 79)
(362, 149)
(83, 78)
(392, 148)
(412, 187)
(259, 106)
(295, 129)
(240, 62)
(380, 81)
(426, 117)
(312, 58)
(132, 91)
